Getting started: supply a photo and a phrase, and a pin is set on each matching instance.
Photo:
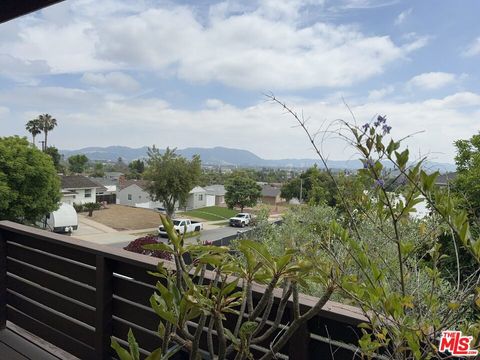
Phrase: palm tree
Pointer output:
(33, 127)
(47, 123)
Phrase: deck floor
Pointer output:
(17, 344)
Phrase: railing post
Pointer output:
(103, 313)
(3, 280)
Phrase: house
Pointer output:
(107, 191)
(446, 179)
(197, 198)
(271, 195)
(134, 193)
(218, 191)
(78, 189)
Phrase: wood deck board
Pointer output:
(14, 346)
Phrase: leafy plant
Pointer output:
(182, 295)
(394, 279)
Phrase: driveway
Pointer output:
(93, 231)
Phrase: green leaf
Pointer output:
(155, 355)
(260, 249)
(133, 345)
(159, 246)
(121, 352)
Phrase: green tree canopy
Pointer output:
(136, 169)
(47, 124)
(77, 163)
(98, 170)
(241, 190)
(316, 187)
(56, 158)
(171, 177)
(34, 128)
(29, 185)
(466, 184)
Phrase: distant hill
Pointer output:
(226, 157)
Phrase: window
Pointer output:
(200, 197)
(88, 193)
(129, 196)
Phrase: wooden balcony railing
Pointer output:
(76, 295)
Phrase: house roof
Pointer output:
(270, 191)
(142, 184)
(197, 189)
(217, 190)
(77, 182)
(444, 179)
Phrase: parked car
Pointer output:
(241, 220)
(182, 226)
(160, 210)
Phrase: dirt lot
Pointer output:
(122, 217)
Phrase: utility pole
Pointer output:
(43, 145)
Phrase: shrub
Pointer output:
(137, 246)
(78, 208)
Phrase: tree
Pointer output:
(29, 185)
(241, 191)
(137, 168)
(98, 170)
(314, 185)
(33, 127)
(77, 163)
(47, 124)
(466, 184)
(56, 158)
(171, 177)
(91, 207)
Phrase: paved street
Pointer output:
(93, 231)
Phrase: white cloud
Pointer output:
(400, 19)
(473, 49)
(23, 71)
(264, 128)
(432, 80)
(260, 48)
(378, 94)
(114, 80)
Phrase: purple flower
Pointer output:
(386, 129)
(368, 164)
(380, 120)
(365, 127)
(379, 183)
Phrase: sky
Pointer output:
(195, 73)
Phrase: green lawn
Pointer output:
(211, 213)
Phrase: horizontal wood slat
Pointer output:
(146, 339)
(53, 300)
(56, 320)
(42, 260)
(138, 273)
(143, 317)
(53, 282)
(50, 334)
(52, 248)
(132, 290)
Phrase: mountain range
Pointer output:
(226, 157)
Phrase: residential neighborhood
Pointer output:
(216, 180)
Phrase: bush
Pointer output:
(137, 245)
(78, 208)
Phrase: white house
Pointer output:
(78, 189)
(218, 192)
(134, 193)
(197, 198)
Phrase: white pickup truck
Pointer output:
(241, 219)
(182, 226)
